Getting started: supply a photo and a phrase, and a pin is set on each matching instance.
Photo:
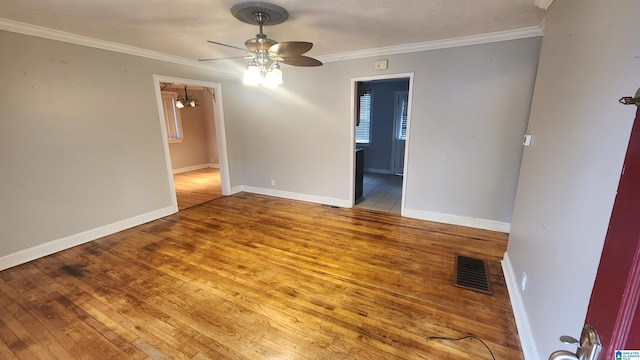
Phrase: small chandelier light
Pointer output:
(186, 100)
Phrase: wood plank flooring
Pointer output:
(256, 277)
(196, 187)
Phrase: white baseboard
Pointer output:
(522, 320)
(377, 171)
(294, 196)
(192, 168)
(458, 220)
(214, 166)
(51, 247)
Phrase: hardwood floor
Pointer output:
(196, 187)
(256, 277)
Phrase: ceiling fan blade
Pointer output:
(231, 46)
(301, 60)
(291, 48)
(224, 58)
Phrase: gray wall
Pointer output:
(377, 155)
(589, 59)
(80, 139)
(78, 152)
(469, 112)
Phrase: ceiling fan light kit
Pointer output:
(266, 54)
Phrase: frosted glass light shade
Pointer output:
(252, 76)
(274, 77)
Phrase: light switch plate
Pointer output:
(526, 141)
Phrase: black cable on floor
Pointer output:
(462, 338)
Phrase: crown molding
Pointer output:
(43, 32)
(543, 4)
(522, 33)
(543, 22)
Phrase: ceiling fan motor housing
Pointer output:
(257, 12)
(268, 52)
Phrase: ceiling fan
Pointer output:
(265, 54)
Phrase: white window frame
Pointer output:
(368, 118)
(402, 114)
(172, 117)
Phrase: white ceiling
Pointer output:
(182, 28)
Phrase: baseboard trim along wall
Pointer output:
(378, 171)
(294, 196)
(415, 214)
(458, 220)
(51, 247)
(522, 320)
(195, 167)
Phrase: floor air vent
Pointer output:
(472, 274)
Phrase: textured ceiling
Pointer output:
(182, 28)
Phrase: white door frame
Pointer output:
(397, 123)
(221, 136)
(352, 155)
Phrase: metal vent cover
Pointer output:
(472, 274)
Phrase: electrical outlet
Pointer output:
(523, 284)
(273, 182)
(381, 64)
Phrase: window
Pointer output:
(172, 117)
(363, 128)
(403, 106)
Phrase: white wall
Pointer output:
(590, 58)
(80, 142)
(469, 111)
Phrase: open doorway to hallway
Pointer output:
(381, 124)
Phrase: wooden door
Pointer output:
(613, 309)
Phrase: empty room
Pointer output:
(421, 179)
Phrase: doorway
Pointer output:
(194, 140)
(381, 108)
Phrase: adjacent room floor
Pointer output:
(197, 187)
(381, 192)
